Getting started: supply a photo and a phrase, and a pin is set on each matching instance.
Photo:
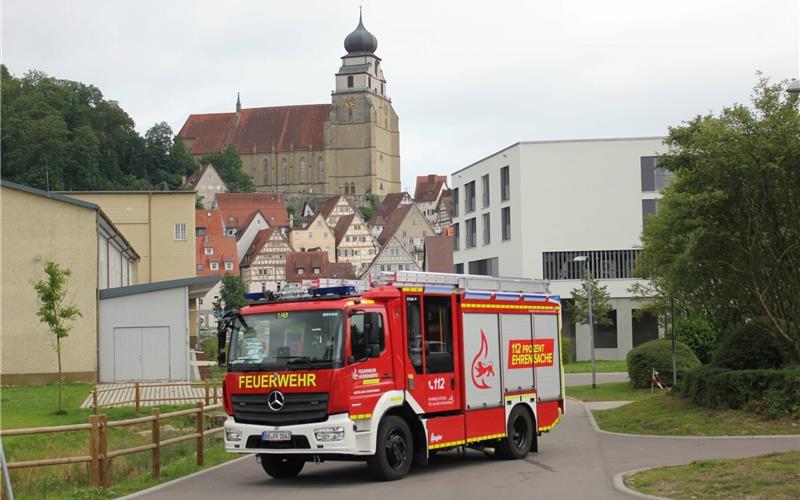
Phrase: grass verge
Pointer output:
(36, 407)
(600, 366)
(614, 391)
(669, 415)
(768, 476)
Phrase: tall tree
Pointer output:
(54, 313)
(579, 308)
(231, 292)
(726, 239)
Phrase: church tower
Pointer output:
(362, 137)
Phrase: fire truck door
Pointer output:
(370, 361)
(431, 375)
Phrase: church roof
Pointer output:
(258, 129)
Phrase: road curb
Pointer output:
(180, 479)
(619, 483)
(598, 429)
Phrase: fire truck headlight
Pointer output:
(233, 435)
(328, 434)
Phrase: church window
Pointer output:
(302, 169)
(352, 188)
(321, 170)
(350, 82)
(266, 171)
(285, 168)
(381, 88)
(369, 82)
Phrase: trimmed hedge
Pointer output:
(751, 346)
(658, 354)
(772, 393)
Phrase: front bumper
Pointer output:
(355, 442)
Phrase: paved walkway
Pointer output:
(151, 394)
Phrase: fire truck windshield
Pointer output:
(288, 340)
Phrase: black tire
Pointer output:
(394, 450)
(282, 466)
(519, 435)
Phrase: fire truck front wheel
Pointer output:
(519, 435)
(281, 467)
(394, 451)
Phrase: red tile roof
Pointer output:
(238, 209)
(309, 260)
(389, 204)
(214, 237)
(439, 254)
(278, 127)
(428, 187)
(341, 227)
(392, 224)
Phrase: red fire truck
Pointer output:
(421, 362)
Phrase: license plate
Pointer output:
(276, 436)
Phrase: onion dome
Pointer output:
(360, 40)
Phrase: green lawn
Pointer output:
(669, 415)
(600, 366)
(36, 407)
(768, 476)
(613, 391)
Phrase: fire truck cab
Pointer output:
(421, 362)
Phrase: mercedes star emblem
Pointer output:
(275, 400)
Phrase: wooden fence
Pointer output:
(128, 394)
(99, 457)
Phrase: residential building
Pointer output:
(410, 227)
(216, 255)
(247, 231)
(264, 265)
(238, 209)
(438, 254)
(529, 209)
(390, 203)
(336, 207)
(392, 257)
(159, 224)
(444, 214)
(350, 146)
(77, 235)
(206, 182)
(314, 233)
(304, 266)
(354, 243)
(427, 194)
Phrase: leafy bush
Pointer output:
(752, 346)
(772, 393)
(658, 354)
(567, 355)
(699, 335)
(210, 348)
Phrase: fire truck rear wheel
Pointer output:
(519, 435)
(282, 467)
(394, 451)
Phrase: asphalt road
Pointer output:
(574, 461)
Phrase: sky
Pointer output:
(467, 78)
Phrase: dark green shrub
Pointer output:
(699, 335)
(772, 393)
(658, 354)
(567, 344)
(752, 346)
(210, 348)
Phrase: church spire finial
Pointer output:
(238, 103)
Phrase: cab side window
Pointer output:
(414, 329)
(438, 335)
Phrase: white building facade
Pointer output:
(528, 210)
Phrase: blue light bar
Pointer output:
(555, 298)
(252, 296)
(535, 297)
(334, 290)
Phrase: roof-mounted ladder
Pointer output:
(463, 281)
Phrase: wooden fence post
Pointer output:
(94, 449)
(102, 450)
(156, 431)
(215, 393)
(137, 390)
(200, 430)
(206, 392)
(94, 400)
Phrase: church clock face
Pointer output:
(350, 102)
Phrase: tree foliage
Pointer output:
(579, 308)
(54, 313)
(231, 293)
(228, 164)
(726, 239)
(64, 135)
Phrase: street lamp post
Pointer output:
(584, 259)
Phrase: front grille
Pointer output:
(297, 443)
(298, 408)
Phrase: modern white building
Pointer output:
(529, 209)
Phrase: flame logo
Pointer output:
(482, 367)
